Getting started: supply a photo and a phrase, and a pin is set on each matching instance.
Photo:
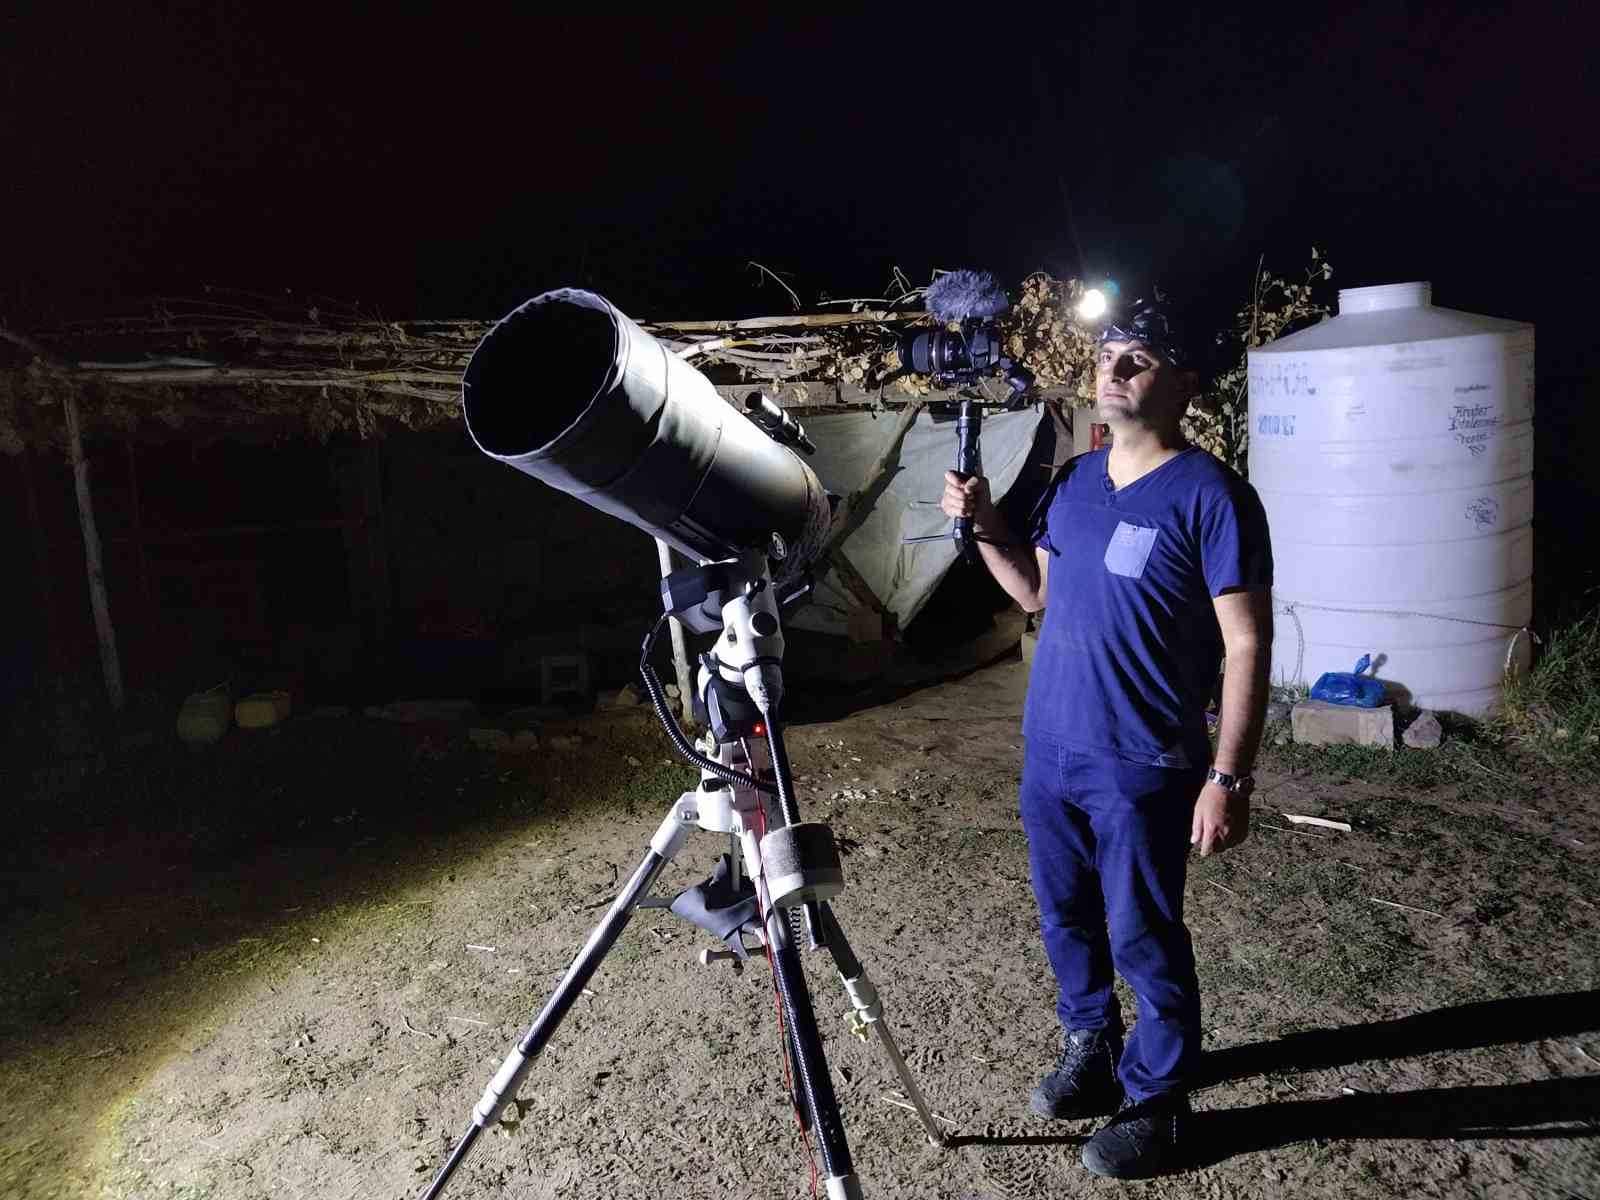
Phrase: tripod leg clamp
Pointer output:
(674, 829)
(502, 1087)
(865, 1008)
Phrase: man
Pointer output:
(1155, 560)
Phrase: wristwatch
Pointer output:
(1239, 785)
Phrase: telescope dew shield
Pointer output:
(570, 391)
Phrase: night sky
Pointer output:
(454, 165)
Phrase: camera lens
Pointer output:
(935, 352)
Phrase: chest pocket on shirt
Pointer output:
(1129, 550)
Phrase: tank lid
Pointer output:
(1385, 296)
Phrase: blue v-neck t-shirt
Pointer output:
(1130, 648)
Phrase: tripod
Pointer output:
(785, 869)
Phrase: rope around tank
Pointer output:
(1290, 608)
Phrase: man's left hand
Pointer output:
(1221, 819)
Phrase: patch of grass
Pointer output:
(1470, 754)
(1554, 709)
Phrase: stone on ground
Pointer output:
(1425, 733)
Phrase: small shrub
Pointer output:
(1554, 709)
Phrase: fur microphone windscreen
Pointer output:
(958, 295)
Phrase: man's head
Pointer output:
(1141, 376)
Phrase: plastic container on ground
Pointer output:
(205, 716)
(262, 710)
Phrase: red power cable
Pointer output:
(777, 1004)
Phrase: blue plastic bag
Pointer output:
(1349, 687)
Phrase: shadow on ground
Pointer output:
(1551, 1108)
(1554, 1108)
(1464, 1027)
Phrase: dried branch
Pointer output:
(875, 300)
(718, 345)
(1320, 822)
(226, 376)
(774, 276)
(31, 346)
(798, 321)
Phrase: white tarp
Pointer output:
(901, 576)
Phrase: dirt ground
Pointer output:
(291, 974)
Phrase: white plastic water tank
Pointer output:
(1392, 446)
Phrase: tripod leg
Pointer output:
(811, 1066)
(869, 1014)
(663, 847)
(812, 1080)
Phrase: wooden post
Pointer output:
(680, 653)
(91, 549)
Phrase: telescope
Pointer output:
(568, 390)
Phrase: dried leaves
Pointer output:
(1043, 332)
(1218, 420)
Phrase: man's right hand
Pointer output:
(1017, 567)
(967, 499)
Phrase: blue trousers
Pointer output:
(1108, 847)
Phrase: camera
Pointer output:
(969, 342)
(960, 356)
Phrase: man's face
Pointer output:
(1134, 383)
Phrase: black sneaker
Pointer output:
(1084, 1083)
(1143, 1139)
